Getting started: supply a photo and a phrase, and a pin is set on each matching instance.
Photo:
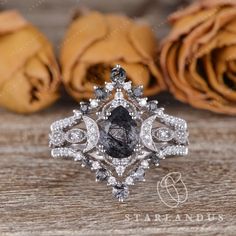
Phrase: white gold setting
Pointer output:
(119, 134)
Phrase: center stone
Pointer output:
(119, 134)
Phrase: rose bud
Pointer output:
(198, 57)
(29, 74)
(96, 42)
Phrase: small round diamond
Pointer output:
(152, 106)
(84, 107)
(129, 180)
(95, 165)
(120, 191)
(145, 164)
(101, 93)
(75, 135)
(94, 103)
(101, 174)
(137, 91)
(163, 134)
(143, 102)
(78, 156)
(109, 86)
(127, 86)
(111, 180)
(139, 174)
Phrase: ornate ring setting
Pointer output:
(118, 134)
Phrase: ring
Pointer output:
(118, 134)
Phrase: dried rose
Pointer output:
(96, 42)
(29, 75)
(198, 57)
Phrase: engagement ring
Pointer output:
(118, 134)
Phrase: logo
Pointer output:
(171, 190)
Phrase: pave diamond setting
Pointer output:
(119, 134)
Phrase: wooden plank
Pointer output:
(52, 197)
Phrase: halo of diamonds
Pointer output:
(160, 135)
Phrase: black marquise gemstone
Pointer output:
(119, 134)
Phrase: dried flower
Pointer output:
(198, 57)
(96, 42)
(29, 75)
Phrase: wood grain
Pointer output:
(43, 196)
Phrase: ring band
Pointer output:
(118, 134)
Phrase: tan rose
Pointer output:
(96, 42)
(29, 75)
(198, 57)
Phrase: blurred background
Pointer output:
(53, 16)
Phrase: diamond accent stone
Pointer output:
(143, 102)
(120, 170)
(163, 134)
(111, 180)
(127, 86)
(120, 191)
(145, 164)
(78, 156)
(109, 86)
(93, 103)
(75, 135)
(137, 91)
(138, 174)
(96, 165)
(129, 180)
(152, 106)
(101, 93)
(84, 107)
(101, 174)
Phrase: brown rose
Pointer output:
(29, 75)
(96, 42)
(198, 57)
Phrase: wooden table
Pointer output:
(43, 196)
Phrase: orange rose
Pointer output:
(198, 57)
(29, 75)
(96, 42)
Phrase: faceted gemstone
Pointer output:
(84, 107)
(118, 74)
(101, 174)
(138, 174)
(119, 134)
(163, 134)
(120, 191)
(100, 93)
(111, 180)
(137, 91)
(152, 106)
(86, 162)
(154, 159)
(75, 135)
